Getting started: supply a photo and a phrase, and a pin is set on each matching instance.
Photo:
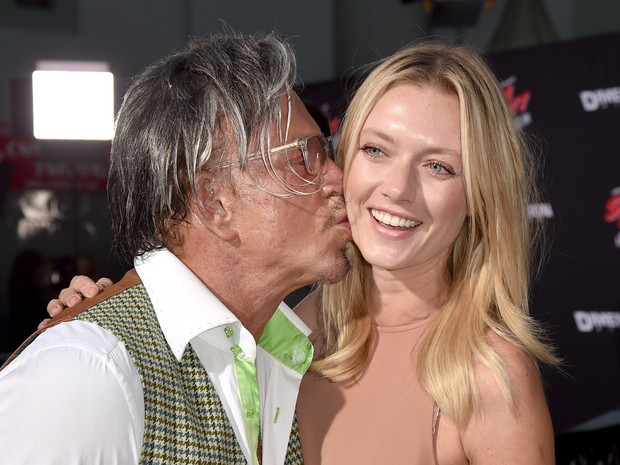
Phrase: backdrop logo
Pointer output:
(540, 211)
(612, 212)
(600, 99)
(588, 321)
(517, 103)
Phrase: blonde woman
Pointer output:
(425, 353)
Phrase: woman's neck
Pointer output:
(402, 297)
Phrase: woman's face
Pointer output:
(404, 185)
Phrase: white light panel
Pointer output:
(73, 100)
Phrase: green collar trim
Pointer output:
(286, 343)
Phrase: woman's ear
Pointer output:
(214, 205)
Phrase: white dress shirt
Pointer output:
(74, 395)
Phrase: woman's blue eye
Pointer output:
(439, 168)
(372, 151)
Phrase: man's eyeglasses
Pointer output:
(297, 165)
(314, 148)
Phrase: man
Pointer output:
(222, 191)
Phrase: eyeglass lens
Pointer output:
(317, 149)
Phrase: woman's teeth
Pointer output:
(391, 220)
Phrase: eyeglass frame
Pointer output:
(300, 143)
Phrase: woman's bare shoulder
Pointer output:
(517, 433)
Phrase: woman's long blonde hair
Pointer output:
(490, 262)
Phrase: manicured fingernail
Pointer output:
(73, 300)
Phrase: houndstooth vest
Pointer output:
(185, 422)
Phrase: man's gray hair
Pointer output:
(181, 116)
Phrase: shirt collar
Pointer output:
(184, 306)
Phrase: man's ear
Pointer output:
(215, 202)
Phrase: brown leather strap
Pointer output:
(130, 279)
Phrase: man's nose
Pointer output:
(332, 179)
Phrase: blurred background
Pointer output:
(559, 65)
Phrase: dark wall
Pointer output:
(573, 106)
